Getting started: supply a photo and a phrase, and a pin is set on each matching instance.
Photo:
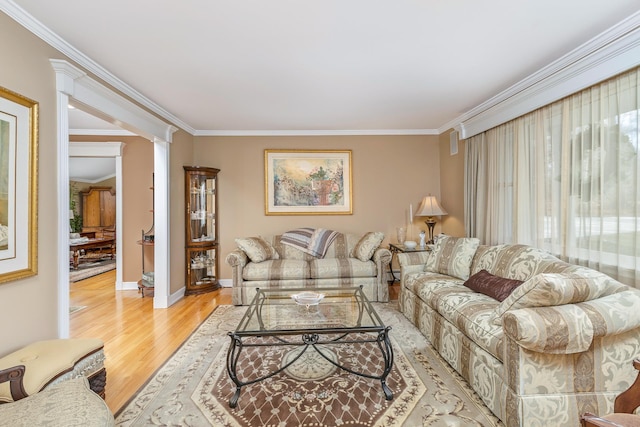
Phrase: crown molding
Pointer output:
(36, 27)
(101, 132)
(96, 149)
(345, 132)
(611, 52)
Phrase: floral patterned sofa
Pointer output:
(558, 342)
(350, 260)
(67, 403)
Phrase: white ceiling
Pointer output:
(283, 65)
(91, 169)
(80, 122)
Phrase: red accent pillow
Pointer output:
(496, 287)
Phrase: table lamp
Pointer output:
(430, 208)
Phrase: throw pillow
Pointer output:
(452, 256)
(498, 288)
(367, 245)
(257, 249)
(551, 289)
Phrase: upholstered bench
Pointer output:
(67, 403)
(46, 363)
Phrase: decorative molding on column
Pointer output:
(100, 101)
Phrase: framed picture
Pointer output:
(18, 186)
(307, 182)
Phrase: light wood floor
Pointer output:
(138, 339)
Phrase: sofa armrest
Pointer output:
(413, 259)
(571, 328)
(382, 257)
(15, 376)
(412, 262)
(237, 258)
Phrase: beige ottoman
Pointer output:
(50, 362)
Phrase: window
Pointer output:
(576, 179)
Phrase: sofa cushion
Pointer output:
(367, 245)
(469, 311)
(495, 287)
(69, 403)
(257, 249)
(520, 262)
(430, 287)
(452, 256)
(551, 289)
(336, 268)
(276, 269)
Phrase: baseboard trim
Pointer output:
(176, 296)
(129, 286)
(226, 283)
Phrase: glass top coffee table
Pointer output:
(343, 316)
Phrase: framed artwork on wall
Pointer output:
(308, 182)
(18, 186)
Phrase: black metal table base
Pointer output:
(310, 340)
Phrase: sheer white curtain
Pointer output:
(565, 178)
(489, 185)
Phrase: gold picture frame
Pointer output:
(308, 182)
(18, 186)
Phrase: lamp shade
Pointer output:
(430, 207)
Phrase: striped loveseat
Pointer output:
(350, 260)
(560, 344)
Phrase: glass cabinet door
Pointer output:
(201, 194)
(202, 215)
(202, 268)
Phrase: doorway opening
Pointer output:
(95, 209)
(76, 88)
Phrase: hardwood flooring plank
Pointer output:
(138, 338)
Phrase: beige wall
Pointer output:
(30, 304)
(452, 186)
(181, 155)
(389, 173)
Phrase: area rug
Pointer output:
(90, 269)
(193, 388)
